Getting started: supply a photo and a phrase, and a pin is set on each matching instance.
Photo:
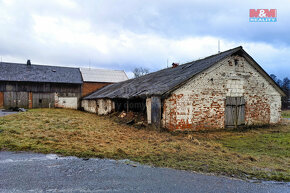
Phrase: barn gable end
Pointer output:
(201, 102)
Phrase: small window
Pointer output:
(236, 62)
(40, 101)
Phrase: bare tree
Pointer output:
(140, 72)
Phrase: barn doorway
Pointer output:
(42, 100)
(16, 99)
(235, 112)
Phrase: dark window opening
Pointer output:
(40, 101)
(236, 62)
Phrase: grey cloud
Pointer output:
(168, 20)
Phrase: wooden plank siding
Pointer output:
(39, 87)
(16, 99)
(42, 100)
(156, 111)
(235, 111)
(36, 95)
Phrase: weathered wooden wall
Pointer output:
(39, 95)
(39, 87)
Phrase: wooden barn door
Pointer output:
(235, 111)
(42, 100)
(9, 99)
(16, 99)
(22, 99)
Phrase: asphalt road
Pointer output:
(30, 172)
(4, 113)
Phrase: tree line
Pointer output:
(285, 85)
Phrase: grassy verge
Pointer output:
(261, 153)
(286, 114)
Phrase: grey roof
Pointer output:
(103, 75)
(39, 73)
(160, 82)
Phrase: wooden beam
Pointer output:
(148, 108)
(156, 111)
(127, 105)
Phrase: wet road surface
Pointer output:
(30, 172)
(4, 112)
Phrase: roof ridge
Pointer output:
(101, 69)
(239, 47)
(32, 64)
(161, 81)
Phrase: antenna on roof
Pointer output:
(167, 62)
(219, 46)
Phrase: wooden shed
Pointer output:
(228, 89)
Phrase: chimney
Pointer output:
(28, 63)
(174, 65)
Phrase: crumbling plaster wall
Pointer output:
(66, 100)
(89, 106)
(99, 106)
(200, 103)
(105, 106)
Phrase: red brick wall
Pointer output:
(197, 116)
(30, 100)
(1, 99)
(90, 87)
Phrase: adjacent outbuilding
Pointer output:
(41, 86)
(229, 89)
(94, 79)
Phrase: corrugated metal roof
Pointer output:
(39, 73)
(103, 75)
(160, 82)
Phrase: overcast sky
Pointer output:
(123, 34)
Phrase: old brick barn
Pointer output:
(228, 89)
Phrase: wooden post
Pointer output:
(156, 111)
(127, 105)
(30, 100)
(148, 108)
(236, 113)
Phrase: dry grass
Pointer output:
(286, 114)
(70, 132)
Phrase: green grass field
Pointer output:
(262, 153)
